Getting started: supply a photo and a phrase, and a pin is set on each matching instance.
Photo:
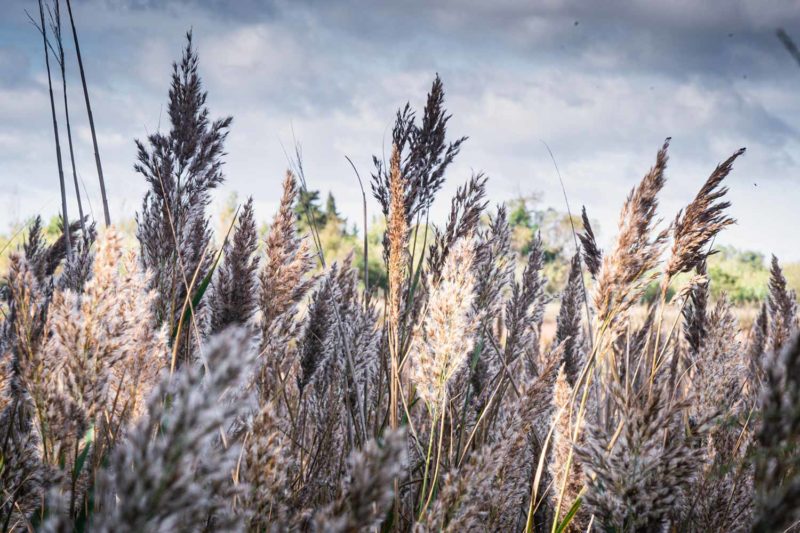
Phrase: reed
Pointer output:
(176, 386)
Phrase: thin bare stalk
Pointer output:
(62, 63)
(42, 29)
(106, 215)
(366, 241)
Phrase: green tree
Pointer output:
(308, 212)
(330, 207)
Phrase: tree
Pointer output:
(307, 209)
(330, 207)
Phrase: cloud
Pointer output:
(601, 83)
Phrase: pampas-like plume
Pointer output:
(494, 273)
(592, 254)
(494, 262)
(104, 341)
(564, 421)
(424, 152)
(234, 297)
(283, 282)
(718, 369)
(45, 259)
(446, 333)
(397, 235)
(520, 433)
(267, 469)
(181, 168)
(756, 348)
(568, 323)
(777, 468)
(703, 218)
(106, 352)
(321, 341)
(23, 475)
(624, 273)
(637, 477)
(367, 490)
(525, 311)
(491, 491)
(78, 267)
(782, 305)
(465, 494)
(694, 313)
(171, 471)
(465, 212)
(287, 262)
(360, 331)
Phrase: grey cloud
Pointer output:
(603, 93)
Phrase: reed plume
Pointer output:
(172, 471)
(569, 332)
(267, 469)
(695, 313)
(494, 274)
(283, 282)
(524, 311)
(701, 221)
(446, 333)
(624, 273)
(465, 211)
(777, 479)
(562, 469)
(367, 488)
(757, 348)
(637, 477)
(592, 254)
(233, 300)
(782, 306)
(424, 155)
(181, 169)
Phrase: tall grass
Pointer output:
(178, 387)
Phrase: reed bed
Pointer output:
(180, 387)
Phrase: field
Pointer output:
(430, 378)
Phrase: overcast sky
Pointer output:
(602, 82)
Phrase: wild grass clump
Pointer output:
(179, 387)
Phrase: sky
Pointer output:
(602, 83)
